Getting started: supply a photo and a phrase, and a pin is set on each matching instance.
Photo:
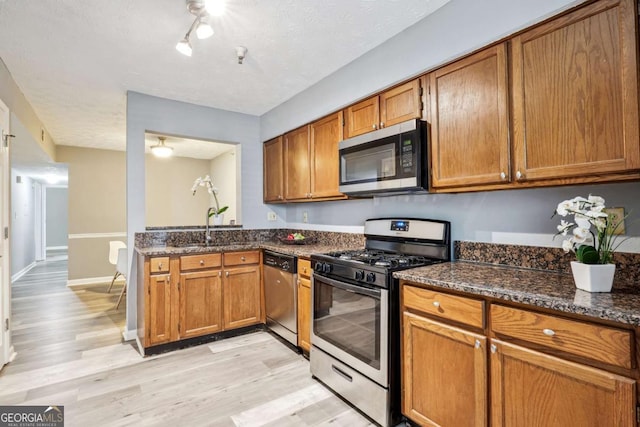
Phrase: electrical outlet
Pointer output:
(305, 216)
(271, 216)
(615, 215)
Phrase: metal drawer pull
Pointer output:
(477, 344)
(226, 273)
(493, 348)
(219, 273)
(503, 175)
(242, 259)
(159, 266)
(549, 332)
(201, 262)
(436, 304)
(342, 373)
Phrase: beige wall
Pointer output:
(169, 199)
(11, 95)
(223, 174)
(97, 185)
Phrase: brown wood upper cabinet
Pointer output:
(575, 94)
(311, 160)
(469, 120)
(273, 170)
(390, 107)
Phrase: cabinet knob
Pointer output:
(201, 262)
(304, 270)
(477, 345)
(549, 332)
(243, 259)
(219, 273)
(226, 273)
(503, 175)
(279, 196)
(159, 266)
(381, 125)
(519, 175)
(493, 348)
(436, 304)
(375, 126)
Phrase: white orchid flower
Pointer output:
(564, 227)
(563, 208)
(600, 224)
(580, 235)
(583, 221)
(597, 201)
(567, 245)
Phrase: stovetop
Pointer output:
(389, 260)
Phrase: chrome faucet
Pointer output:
(207, 232)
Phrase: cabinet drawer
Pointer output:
(240, 258)
(159, 265)
(451, 307)
(304, 268)
(194, 262)
(595, 342)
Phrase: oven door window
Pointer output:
(374, 163)
(348, 317)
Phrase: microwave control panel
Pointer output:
(406, 156)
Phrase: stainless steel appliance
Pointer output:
(281, 295)
(355, 333)
(387, 161)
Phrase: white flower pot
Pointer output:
(593, 277)
(218, 219)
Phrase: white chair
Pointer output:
(121, 268)
(114, 249)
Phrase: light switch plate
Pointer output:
(271, 216)
(617, 214)
(305, 216)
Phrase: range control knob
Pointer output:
(318, 266)
(371, 277)
(359, 275)
(285, 265)
(326, 268)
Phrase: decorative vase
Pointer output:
(218, 219)
(593, 277)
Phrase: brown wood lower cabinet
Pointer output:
(158, 316)
(241, 296)
(529, 388)
(563, 381)
(444, 374)
(200, 303)
(198, 295)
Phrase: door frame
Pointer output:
(39, 227)
(6, 349)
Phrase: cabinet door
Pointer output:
(533, 389)
(469, 121)
(273, 169)
(325, 163)
(158, 311)
(444, 373)
(362, 117)
(575, 94)
(200, 303)
(304, 313)
(241, 296)
(400, 104)
(297, 178)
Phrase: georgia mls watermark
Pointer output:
(31, 416)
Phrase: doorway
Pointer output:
(5, 197)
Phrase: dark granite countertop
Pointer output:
(551, 290)
(297, 250)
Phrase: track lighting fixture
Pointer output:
(201, 9)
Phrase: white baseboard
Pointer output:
(93, 281)
(57, 248)
(129, 335)
(22, 272)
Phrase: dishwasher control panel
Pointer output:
(280, 261)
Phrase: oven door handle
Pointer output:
(374, 293)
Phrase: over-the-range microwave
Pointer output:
(392, 160)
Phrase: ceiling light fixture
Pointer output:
(161, 150)
(200, 9)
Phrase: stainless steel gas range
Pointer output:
(355, 332)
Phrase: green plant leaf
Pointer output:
(587, 254)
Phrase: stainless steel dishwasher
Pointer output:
(281, 295)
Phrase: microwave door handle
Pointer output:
(349, 287)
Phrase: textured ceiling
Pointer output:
(75, 59)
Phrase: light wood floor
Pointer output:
(70, 352)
